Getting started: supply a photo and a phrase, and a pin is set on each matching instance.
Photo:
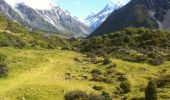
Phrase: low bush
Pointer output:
(80, 95)
(97, 78)
(106, 95)
(106, 61)
(96, 71)
(156, 61)
(151, 91)
(98, 88)
(2, 57)
(3, 70)
(125, 86)
(76, 95)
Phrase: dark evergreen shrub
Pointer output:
(76, 95)
(98, 88)
(156, 61)
(106, 61)
(3, 70)
(2, 57)
(97, 78)
(151, 91)
(91, 55)
(106, 95)
(96, 71)
(125, 86)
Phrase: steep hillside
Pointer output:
(137, 13)
(15, 35)
(131, 44)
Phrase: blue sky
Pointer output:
(82, 8)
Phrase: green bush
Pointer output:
(106, 95)
(76, 95)
(91, 55)
(96, 71)
(151, 91)
(125, 86)
(97, 78)
(156, 61)
(98, 88)
(3, 70)
(80, 95)
(106, 61)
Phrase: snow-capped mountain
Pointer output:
(43, 15)
(96, 19)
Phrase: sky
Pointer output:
(83, 8)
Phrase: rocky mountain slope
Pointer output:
(138, 13)
(50, 18)
(95, 20)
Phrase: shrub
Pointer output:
(125, 86)
(2, 57)
(96, 71)
(91, 55)
(76, 95)
(106, 95)
(97, 78)
(106, 61)
(66, 48)
(156, 61)
(151, 91)
(94, 60)
(3, 70)
(112, 66)
(80, 95)
(98, 88)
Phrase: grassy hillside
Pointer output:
(131, 44)
(43, 74)
(38, 67)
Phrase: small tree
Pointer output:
(151, 91)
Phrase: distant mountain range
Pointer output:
(48, 18)
(96, 19)
(138, 13)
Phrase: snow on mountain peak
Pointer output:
(117, 2)
(95, 20)
(36, 4)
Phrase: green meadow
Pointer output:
(49, 74)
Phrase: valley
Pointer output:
(47, 54)
(50, 74)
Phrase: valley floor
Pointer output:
(50, 74)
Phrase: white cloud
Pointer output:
(37, 4)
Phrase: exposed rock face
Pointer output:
(95, 20)
(53, 20)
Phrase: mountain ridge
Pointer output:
(46, 20)
(138, 13)
(96, 19)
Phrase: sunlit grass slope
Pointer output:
(43, 75)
